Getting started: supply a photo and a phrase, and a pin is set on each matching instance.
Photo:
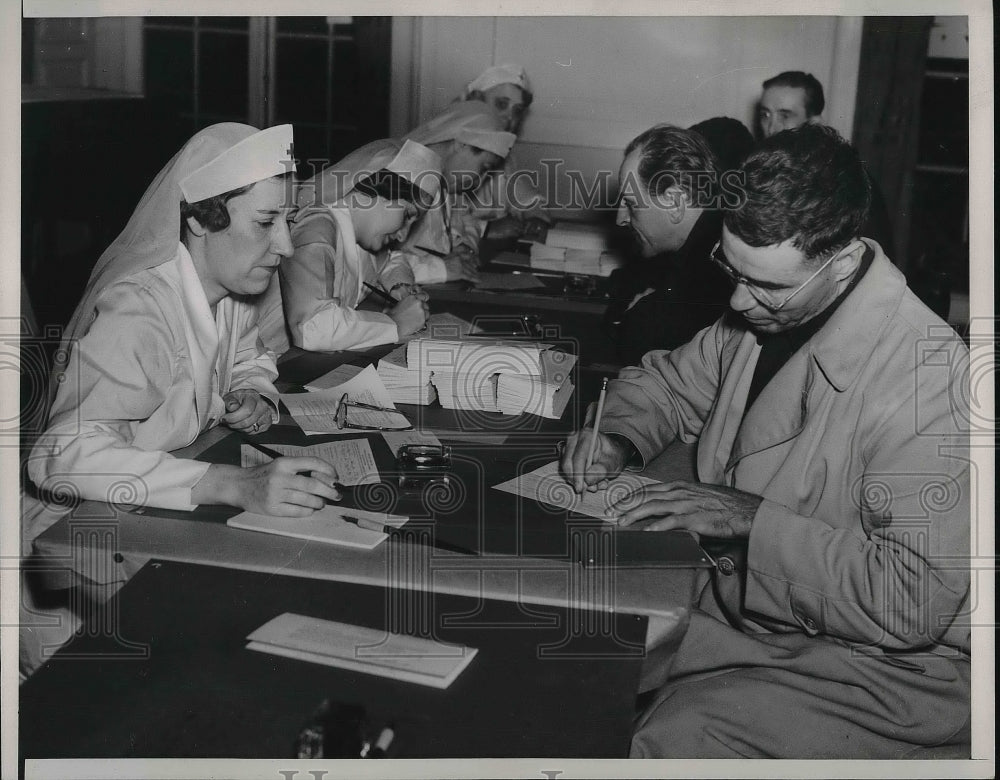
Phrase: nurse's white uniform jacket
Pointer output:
(146, 378)
(321, 285)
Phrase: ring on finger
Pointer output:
(255, 427)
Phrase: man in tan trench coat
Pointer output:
(831, 456)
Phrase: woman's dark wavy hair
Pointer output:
(212, 212)
(392, 187)
(806, 184)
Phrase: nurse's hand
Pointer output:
(404, 290)
(462, 264)
(610, 456)
(247, 411)
(410, 315)
(285, 487)
(709, 510)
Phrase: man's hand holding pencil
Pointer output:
(591, 458)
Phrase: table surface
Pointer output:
(174, 679)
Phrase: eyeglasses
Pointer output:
(762, 296)
(368, 417)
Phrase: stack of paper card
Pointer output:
(575, 248)
(495, 375)
(578, 235)
(545, 395)
(405, 385)
(574, 261)
(362, 649)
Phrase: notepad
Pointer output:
(362, 649)
(547, 486)
(326, 525)
(352, 458)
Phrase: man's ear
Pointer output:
(849, 260)
(195, 228)
(675, 203)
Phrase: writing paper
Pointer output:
(326, 525)
(547, 486)
(352, 458)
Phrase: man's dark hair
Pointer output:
(672, 156)
(212, 213)
(728, 139)
(391, 186)
(815, 102)
(806, 184)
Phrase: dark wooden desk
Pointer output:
(174, 678)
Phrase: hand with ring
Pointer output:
(246, 410)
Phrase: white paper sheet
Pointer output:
(547, 486)
(352, 458)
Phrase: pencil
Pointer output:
(381, 294)
(597, 423)
(261, 448)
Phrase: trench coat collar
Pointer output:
(834, 356)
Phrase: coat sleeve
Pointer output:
(119, 374)
(667, 397)
(317, 321)
(394, 270)
(903, 578)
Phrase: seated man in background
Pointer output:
(794, 98)
(669, 187)
(508, 200)
(832, 458)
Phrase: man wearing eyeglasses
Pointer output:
(832, 457)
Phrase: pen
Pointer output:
(370, 525)
(381, 294)
(597, 423)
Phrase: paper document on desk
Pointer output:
(315, 412)
(352, 458)
(362, 649)
(334, 378)
(326, 525)
(547, 486)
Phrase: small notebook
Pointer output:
(362, 649)
(326, 525)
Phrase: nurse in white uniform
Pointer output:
(470, 140)
(164, 344)
(350, 216)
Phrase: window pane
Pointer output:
(169, 21)
(346, 80)
(223, 74)
(224, 22)
(170, 68)
(302, 24)
(310, 144)
(300, 81)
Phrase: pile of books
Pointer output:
(490, 375)
(575, 248)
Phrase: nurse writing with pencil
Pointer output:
(164, 344)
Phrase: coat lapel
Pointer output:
(202, 336)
